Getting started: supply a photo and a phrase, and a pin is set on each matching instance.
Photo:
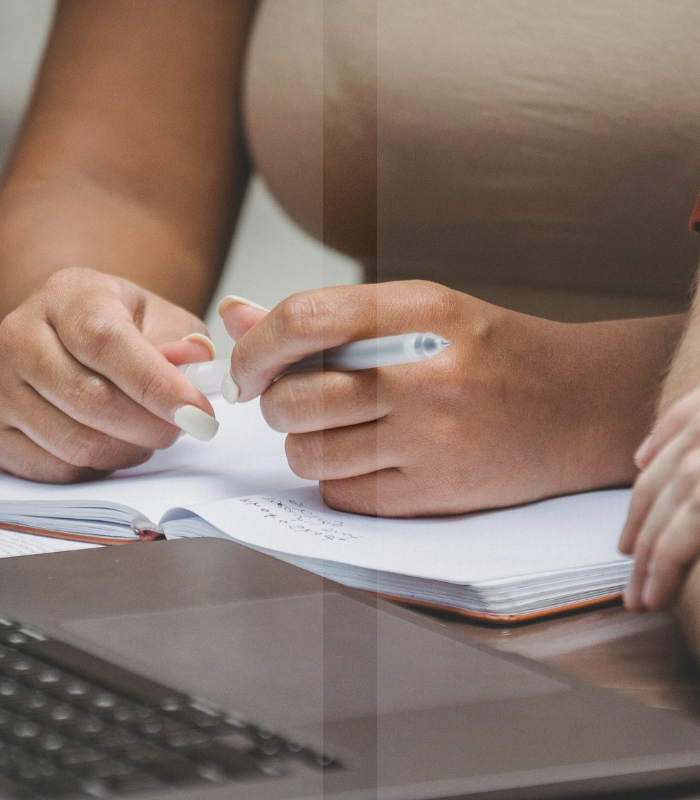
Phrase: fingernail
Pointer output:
(196, 422)
(233, 299)
(643, 451)
(202, 339)
(229, 388)
(648, 592)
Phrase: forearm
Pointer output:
(130, 160)
(684, 373)
(48, 227)
(616, 372)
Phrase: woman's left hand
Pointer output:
(663, 525)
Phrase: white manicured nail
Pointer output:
(229, 388)
(231, 299)
(202, 339)
(196, 422)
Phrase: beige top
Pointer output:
(543, 154)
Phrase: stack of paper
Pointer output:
(505, 564)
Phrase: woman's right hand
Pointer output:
(514, 410)
(89, 382)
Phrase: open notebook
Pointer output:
(505, 565)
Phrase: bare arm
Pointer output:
(130, 160)
(115, 214)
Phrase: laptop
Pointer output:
(202, 669)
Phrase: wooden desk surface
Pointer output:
(642, 656)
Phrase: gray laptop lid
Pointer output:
(406, 710)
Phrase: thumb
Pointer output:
(239, 315)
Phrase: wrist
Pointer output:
(47, 225)
(684, 372)
(619, 367)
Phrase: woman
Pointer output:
(535, 160)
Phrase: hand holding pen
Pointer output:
(387, 351)
(484, 423)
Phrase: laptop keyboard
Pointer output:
(75, 726)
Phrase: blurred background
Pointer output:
(270, 257)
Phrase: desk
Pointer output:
(642, 656)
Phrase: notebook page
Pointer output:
(22, 544)
(245, 457)
(564, 533)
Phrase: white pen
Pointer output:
(386, 351)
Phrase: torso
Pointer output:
(538, 154)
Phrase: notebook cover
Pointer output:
(509, 619)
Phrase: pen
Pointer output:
(386, 351)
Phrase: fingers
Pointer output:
(20, 456)
(110, 327)
(108, 344)
(386, 493)
(84, 396)
(312, 321)
(676, 551)
(316, 401)
(646, 545)
(89, 378)
(85, 389)
(663, 525)
(239, 315)
(70, 441)
(341, 452)
(647, 488)
(192, 349)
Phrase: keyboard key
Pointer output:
(34, 770)
(110, 676)
(212, 724)
(135, 782)
(6, 718)
(186, 738)
(89, 726)
(77, 755)
(19, 667)
(232, 762)
(158, 729)
(14, 638)
(7, 654)
(142, 753)
(116, 740)
(28, 702)
(45, 677)
(9, 690)
(105, 769)
(23, 730)
(52, 743)
(60, 714)
(59, 786)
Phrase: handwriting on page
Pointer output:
(24, 544)
(298, 518)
